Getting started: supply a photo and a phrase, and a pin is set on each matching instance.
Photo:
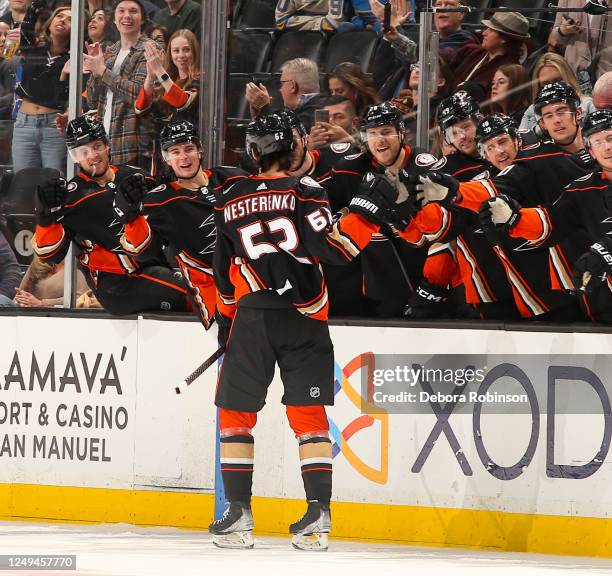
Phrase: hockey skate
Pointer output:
(310, 533)
(235, 528)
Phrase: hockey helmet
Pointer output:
(182, 132)
(83, 130)
(269, 133)
(294, 121)
(494, 125)
(596, 121)
(384, 114)
(554, 93)
(457, 107)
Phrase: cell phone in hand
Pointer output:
(321, 115)
(387, 17)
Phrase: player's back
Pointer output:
(264, 227)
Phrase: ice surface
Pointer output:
(123, 550)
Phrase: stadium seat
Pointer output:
(357, 47)
(474, 18)
(249, 51)
(19, 212)
(298, 44)
(256, 14)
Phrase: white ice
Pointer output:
(122, 550)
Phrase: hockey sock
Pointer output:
(316, 468)
(237, 467)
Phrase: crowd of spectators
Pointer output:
(142, 70)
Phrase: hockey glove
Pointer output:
(128, 197)
(593, 267)
(437, 187)
(427, 301)
(224, 324)
(500, 213)
(51, 196)
(375, 200)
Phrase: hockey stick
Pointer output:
(200, 370)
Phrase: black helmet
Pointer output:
(269, 133)
(183, 132)
(494, 125)
(596, 121)
(384, 114)
(294, 120)
(556, 92)
(83, 130)
(457, 107)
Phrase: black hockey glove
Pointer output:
(128, 197)
(427, 301)
(375, 200)
(593, 267)
(51, 196)
(224, 324)
(501, 213)
(437, 187)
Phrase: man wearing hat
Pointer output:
(502, 43)
(115, 82)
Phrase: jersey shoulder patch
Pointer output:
(532, 146)
(72, 186)
(440, 163)
(425, 159)
(354, 156)
(159, 188)
(308, 181)
(340, 147)
(482, 176)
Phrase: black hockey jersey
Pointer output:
(184, 220)
(88, 218)
(272, 234)
(580, 206)
(537, 178)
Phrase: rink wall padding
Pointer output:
(92, 431)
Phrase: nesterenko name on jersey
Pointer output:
(262, 203)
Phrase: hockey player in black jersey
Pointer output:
(458, 117)
(388, 268)
(179, 214)
(273, 230)
(537, 177)
(582, 205)
(81, 211)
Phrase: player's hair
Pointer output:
(306, 74)
(283, 158)
(554, 61)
